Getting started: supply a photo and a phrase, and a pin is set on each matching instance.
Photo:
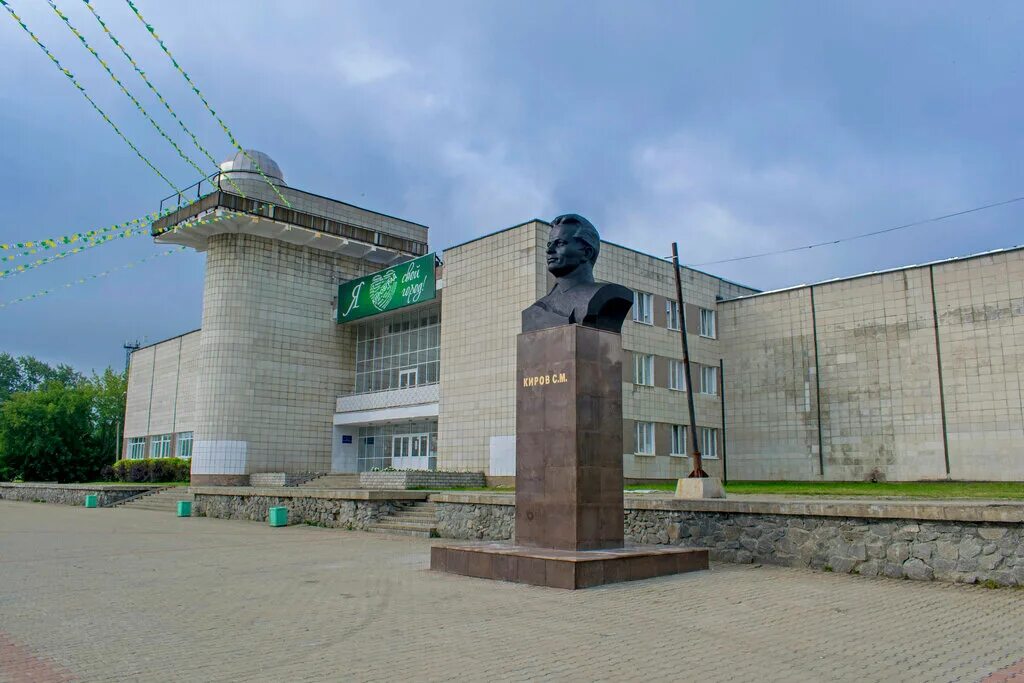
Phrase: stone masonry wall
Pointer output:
(923, 551)
(476, 522)
(67, 494)
(417, 479)
(966, 552)
(329, 512)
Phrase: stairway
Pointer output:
(333, 481)
(162, 500)
(418, 519)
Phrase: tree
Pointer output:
(49, 434)
(109, 391)
(26, 373)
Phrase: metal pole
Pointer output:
(721, 378)
(698, 469)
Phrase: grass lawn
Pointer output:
(137, 483)
(909, 489)
(912, 489)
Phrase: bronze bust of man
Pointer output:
(573, 247)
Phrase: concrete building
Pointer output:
(910, 374)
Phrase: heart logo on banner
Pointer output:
(382, 289)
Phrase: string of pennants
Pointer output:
(87, 278)
(159, 96)
(130, 232)
(81, 89)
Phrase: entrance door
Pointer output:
(409, 451)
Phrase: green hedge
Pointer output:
(153, 470)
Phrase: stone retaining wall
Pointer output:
(341, 514)
(69, 494)
(409, 479)
(260, 479)
(351, 510)
(921, 541)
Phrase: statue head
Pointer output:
(573, 243)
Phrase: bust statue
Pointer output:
(573, 246)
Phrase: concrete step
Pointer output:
(411, 526)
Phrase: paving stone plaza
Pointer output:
(119, 594)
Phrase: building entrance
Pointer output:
(410, 451)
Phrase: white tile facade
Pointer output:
(881, 405)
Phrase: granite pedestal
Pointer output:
(569, 497)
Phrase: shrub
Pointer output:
(152, 471)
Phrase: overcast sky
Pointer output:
(730, 127)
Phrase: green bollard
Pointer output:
(278, 516)
(92, 500)
(184, 508)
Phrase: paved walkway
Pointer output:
(117, 594)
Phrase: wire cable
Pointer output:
(117, 81)
(163, 101)
(195, 89)
(934, 219)
(77, 85)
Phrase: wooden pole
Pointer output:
(698, 463)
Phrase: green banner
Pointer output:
(396, 287)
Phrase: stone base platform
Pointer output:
(565, 568)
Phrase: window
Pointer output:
(160, 446)
(676, 375)
(398, 351)
(136, 448)
(643, 369)
(708, 380)
(709, 442)
(407, 378)
(672, 314)
(645, 438)
(643, 308)
(678, 446)
(707, 323)
(184, 446)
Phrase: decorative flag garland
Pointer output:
(87, 278)
(195, 89)
(131, 232)
(163, 101)
(21, 268)
(117, 81)
(78, 85)
(33, 246)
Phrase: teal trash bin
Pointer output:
(184, 508)
(92, 500)
(278, 516)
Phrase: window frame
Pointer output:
(708, 314)
(134, 441)
(670, 306)
(643, 307)
(648, 431)
(676, 371)
(678, 436)
(647, 360)
(705, 441)
(181, 440)
(705, 371)
(160, 443)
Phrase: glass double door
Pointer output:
(410, 451)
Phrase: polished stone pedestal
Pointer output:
(569, 569)
(569, 498)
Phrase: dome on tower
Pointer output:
(246, 162)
